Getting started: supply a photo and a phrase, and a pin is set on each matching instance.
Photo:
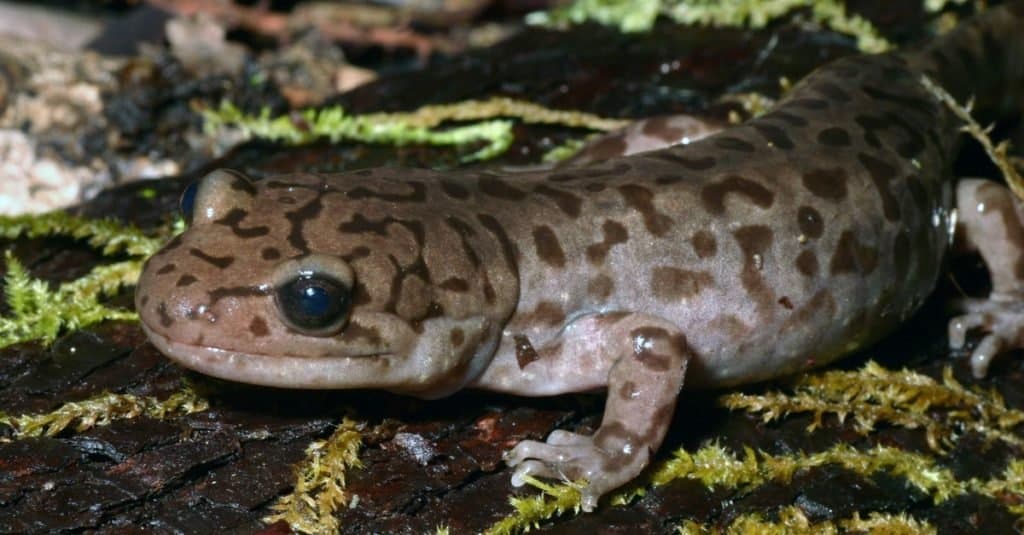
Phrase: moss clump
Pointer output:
(873, 395)
(530, 511)
(108, 236)
(40, 313)
(404, 128)
(102, 410)
(320, 485)
(632, 16)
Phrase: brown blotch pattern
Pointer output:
(242, 184)
(834, 136)
(694, 164)
(881, 173)
(497, 188)
(548, 313)
(614, 233)
(704, 244)
(645, 354)
(417, 195)
(851, 256)
(270, 253)
(642, 199)
(807, 263)
(826, 183)
(671, 284)
(549, 250)
(831, 91)
(220, 262)
(297, 220)
(185, 280)
(258, 327)
(601, 286)
(713, 195)
(465, 232)
(729, 325)
(454, 189)
(234, 291)
(165, 319)
(457, 337)
(628, 390)
(774, 135)
(755, 241)
(508, 249)
(455, 284)
(233, 220)
(568, 203)
(811, 224)
(786, 117)
(733, 144)
(165, 269)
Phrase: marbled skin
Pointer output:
(763, 250)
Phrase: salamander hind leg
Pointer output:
(649, 358)
(991, 222)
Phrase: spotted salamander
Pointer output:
(758, 251)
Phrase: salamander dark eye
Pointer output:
(187, 203)
(316, 304)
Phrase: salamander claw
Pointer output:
(1001, 318)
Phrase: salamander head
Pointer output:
(264, 287)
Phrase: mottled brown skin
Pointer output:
(760, 251)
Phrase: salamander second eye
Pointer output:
(187, 203)
(315, 304)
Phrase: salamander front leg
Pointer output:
(650, 357)
(990, 222)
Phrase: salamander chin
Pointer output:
(284, 371)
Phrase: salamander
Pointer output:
(761, 250)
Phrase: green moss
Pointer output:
(873, 395)
(102, 410)
(40, 312)
(555, 500)
(108, 236)
(404, 128)
(334, 124)
(320, 484)
(632, 16)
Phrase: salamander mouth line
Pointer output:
(167, 342)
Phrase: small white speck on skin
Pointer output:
(353, 502)
(49, 485)
(758, 261)
(981, 208)
(915, 163)
(627, 449)
(801, 238)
